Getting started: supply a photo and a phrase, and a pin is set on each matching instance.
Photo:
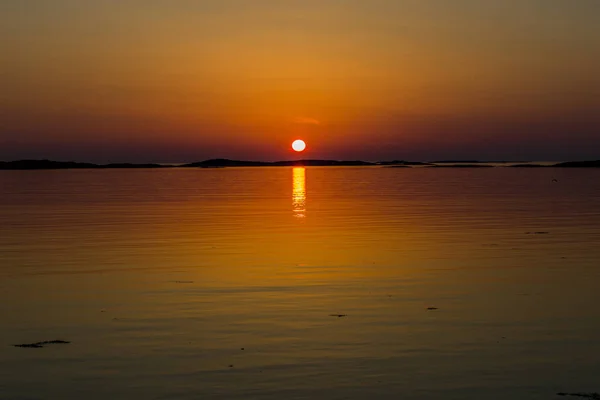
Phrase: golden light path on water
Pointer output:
(299, 192)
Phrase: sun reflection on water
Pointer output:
(299, 192)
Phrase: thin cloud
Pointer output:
(306, 121)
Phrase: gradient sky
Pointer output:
(183, 80)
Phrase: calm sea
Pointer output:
(294, 283)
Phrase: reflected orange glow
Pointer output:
(299, 192)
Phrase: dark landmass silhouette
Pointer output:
(474, 162)
(43, 164)
(460, 166)
(222, 163)
(458, 162)
(129, 165)
(579, 164)
(402, 162)
(323, 163)
(529, 166)
(47, 164)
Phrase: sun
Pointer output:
(298, 145)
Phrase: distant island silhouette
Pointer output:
(223, 163)
(48, 164)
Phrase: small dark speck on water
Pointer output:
(39, 345)
(431, 308)
(184, 281)
(29, 345)
(230, 365)
(338, 315)
(584, 395)
(242, 348)
(537, 233)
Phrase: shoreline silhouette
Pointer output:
(223, 163)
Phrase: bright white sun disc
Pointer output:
(298, 145)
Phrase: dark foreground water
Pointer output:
(222, 283)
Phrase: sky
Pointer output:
(183, 80)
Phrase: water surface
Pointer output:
(221, 283)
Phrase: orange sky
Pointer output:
(188, 80)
